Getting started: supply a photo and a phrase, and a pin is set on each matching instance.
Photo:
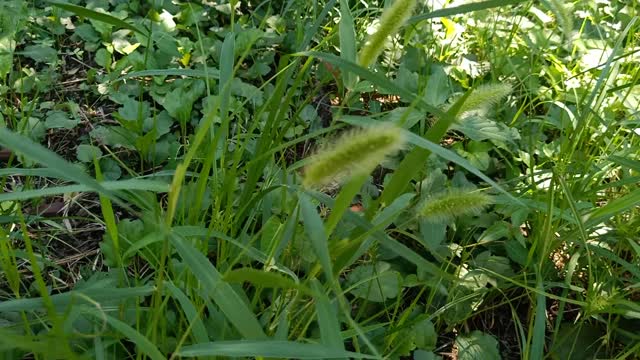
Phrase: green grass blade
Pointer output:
(613, 208)
(143, 344)
(230, 303)
(607, 254)
(382, 238)
(48, 158)
(261, 278)
(538, 339)
(347, 42)
(210, 73)
(462, 9)
(95, 294)
(141, 243)
(226, 73)
(193, 316)
(108, 186)
(629, 163)
(315, 231)
(270, 349)
(41, 172)
(91, 14)
(109, 217)
(197, 231)
(327, 319)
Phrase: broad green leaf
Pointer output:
(36, 130)
(57, 119)
(40, 53)
(438, 87)
(94, 15)
(179, 102)
(250, 92)
(116, 136)
(375, 283)
(405, 117)
(87, 33)
(110, 169)
(103, 58)
(159, 123)
(477, 346)
(133, 111)
(85, 153)
(494, 263)
(425, 335)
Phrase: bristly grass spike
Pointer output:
(446, 206)
(357, 152)
(392, 19)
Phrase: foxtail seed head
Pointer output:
(446, 206)
(357, 152)
(391, 21)
(484, 96)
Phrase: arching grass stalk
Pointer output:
(391, 21)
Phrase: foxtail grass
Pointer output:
(483, 97)
(446, 206)
(392, 19)
(356, 153)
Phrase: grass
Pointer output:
(160, 194)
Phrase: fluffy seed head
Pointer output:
(357, 152)
(444, 207)
(391, 21)
(483, 97)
